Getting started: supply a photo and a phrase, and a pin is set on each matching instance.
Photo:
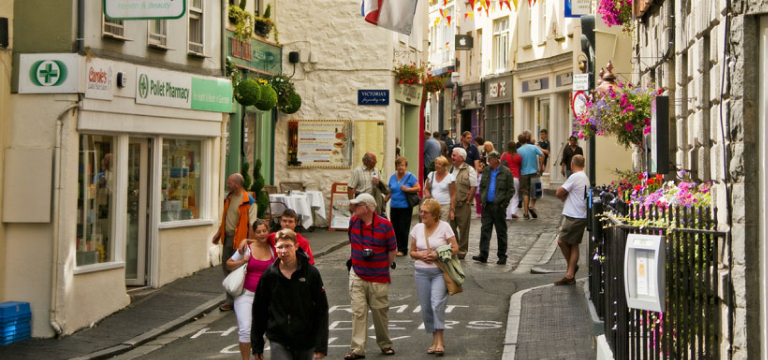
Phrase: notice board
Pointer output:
(321, 143)
(369, 137)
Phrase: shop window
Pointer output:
(196, 27)
(95, 200)
(181, 180)
(158, 32)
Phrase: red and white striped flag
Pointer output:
(395, 15)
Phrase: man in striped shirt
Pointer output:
(373, 248)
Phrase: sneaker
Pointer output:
(566, 281)
(479, 259)
(533, 213)
(502, 261)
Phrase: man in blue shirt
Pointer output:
(496, 189)
(432, 150)
(532, 157)
(473, 155)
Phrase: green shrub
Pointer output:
(268, 98)
(248, 92)
(290, 103)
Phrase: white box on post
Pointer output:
(645, 272)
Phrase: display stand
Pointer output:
(340, 214)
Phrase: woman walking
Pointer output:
(400, 183)
(513, 161)
(258, 254)
(441, 186)
(426, 237)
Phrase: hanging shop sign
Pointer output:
(463, 42)
(580, 82)
(179, 90)
(99, 80)
(409, 94)
(372, 97)
(50, 73)
(498, 90)
(144, 9)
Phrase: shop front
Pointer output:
(411, 128)
(470, 108)
(499, 119)
(136, 185)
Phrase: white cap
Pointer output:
(364, 199)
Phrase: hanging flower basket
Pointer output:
(433, 84)
(247, 92)
(616, 12)
(409, 74)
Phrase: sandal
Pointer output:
(439, 351)
(226, 307)
(388, 351)
(353, 356)
(431, 351)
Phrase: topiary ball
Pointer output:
(248, 92)
(268, 98)
(290, 104)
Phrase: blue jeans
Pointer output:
(433, 295)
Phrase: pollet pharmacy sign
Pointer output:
(179, 90)
(144, 9)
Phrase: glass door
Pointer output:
(136, 227)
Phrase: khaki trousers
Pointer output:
(462, 215)
(365, 295)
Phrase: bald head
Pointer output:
(577, 163)
(235, 182)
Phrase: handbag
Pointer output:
(412, 198)
(453, 287)
(233, 283)
(536, 191)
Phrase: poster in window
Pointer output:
(369, 137)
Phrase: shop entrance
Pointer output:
(136, 219)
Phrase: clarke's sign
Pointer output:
(372, 97)
(179, 90)
(49, 73)
(144, 9)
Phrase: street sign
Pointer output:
(578, 7)
(579, 103)
(144, 9)
(372, 97)
(463, 42)
(580, 82)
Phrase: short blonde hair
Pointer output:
(442, 161)
(432, 207)
(486, 145)
(401, 160)
(286, 234)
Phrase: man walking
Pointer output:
(496, 189)
(447, 138)
(573, 193)
(373, 249)
(466, 184)
(473, 155)
(432, 151)
(288, 221)
(366, 179)
(290, 306)
(544, 146)
(236, 224)
(528, 170)
(568, 153)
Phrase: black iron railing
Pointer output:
(689, 326)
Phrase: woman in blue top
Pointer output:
(400, 213)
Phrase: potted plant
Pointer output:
(616, 12)
(262, 199)
(409, 74)
(288, 101)
(268, 98)
(262, 25)
(433, 84)
(248, 92)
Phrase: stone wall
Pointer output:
(690, 67)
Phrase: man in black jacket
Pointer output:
(290, 306)
(496, 189)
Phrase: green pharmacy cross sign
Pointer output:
(48, 73)
(144, 9)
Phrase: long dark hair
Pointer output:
(512, 148)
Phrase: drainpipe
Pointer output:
(58, 266)
(81, 26)
(223, 48)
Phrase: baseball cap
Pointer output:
(363, 199)
(493, 154)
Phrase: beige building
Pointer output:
(125, 138)
(6, 11)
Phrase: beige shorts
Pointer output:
(572, 230)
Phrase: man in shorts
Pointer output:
(529, 169)
(573, 193)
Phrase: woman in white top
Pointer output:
(433, 295)
(441, 186)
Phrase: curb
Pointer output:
(331, 248)
(538, 254)
(156, 332)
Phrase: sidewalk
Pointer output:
(164, 310)
(551, 322)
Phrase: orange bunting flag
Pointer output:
(449, 19)
(442, 14)
(471, 4)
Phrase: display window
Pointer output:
(95, 201)
(181, 180)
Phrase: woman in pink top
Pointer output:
(259, 256)
(513, 161)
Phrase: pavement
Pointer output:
(544, 322)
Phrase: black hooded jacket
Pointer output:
(293, 312)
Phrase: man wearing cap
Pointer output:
(496, 189)
(373, 248)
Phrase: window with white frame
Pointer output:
(96, 200)
(500, 44)
(542, 21)
(112, 28)
(158, 32)
(196, 27)
(181, 179)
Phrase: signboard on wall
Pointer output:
(369, 137)
(322, 143)
(580, 82)
(340, 213)
(50, 73)
(409, 94)
(144, 9)
(577, 8)
(180, 90)
(372, 97)
(463, 42)
(99, 80)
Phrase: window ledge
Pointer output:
(185, 223)
(115, 37)
(560, 38)
(526, 47)
(159, 47)
(197, 55)
(98, 267)
(542, 43)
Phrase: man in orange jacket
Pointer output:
(236, 223)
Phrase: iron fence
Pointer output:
(689, 328)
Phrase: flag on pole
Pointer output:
(395, 15)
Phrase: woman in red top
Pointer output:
(513, 161)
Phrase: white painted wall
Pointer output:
(6, 11)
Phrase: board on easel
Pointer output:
(340, 213)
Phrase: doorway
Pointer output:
(136, 219)
(542, 120)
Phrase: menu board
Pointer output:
(319, 143)
(340, 213)
(369, 137)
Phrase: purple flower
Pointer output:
(647, 122)
(629, 126)
(647, 130)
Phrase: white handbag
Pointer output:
(234, 282)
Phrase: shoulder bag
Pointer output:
(450, 284)
(412, 198)
(234, 282)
